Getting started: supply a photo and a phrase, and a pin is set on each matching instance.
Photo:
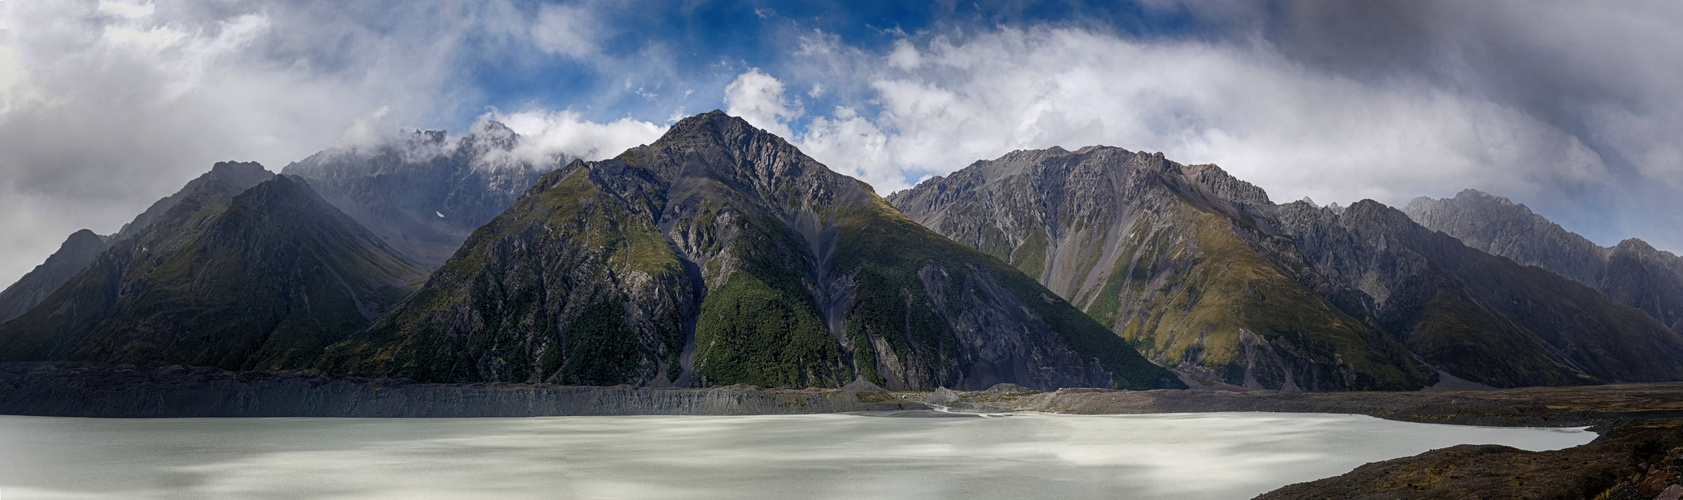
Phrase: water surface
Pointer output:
(1203, 455)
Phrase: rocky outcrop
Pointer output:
(1180, 260)
(426, 192)
(1631, 273)
(261, 280)
(76, 253)
(719, 255)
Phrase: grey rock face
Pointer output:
(1632, 272)
(76, 253)
(425, 193)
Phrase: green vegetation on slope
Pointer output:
(761, 327)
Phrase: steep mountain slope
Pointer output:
(424, 193)
(1481, 317)
(76, 253)
(1174, 258)
(719, 255)
(1631, 273)
(261, 280)
(225, 178)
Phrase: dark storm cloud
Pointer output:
(1608, 74)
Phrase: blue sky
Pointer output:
(1573, 108)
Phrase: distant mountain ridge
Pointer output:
(1631, 272)
(719, 255)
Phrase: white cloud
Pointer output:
(570, 30)
(105, 108)
(758, 98)
(125, 9)
(367, 129)
(855, 147)
(1293, 130)
(547, 135)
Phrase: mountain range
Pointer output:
(720, 254)
(1203, 273)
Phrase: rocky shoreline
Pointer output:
(94, 390)
(124, 391)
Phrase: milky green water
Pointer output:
(1206, 455)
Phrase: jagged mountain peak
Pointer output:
(714, 122)
(491, 135)
(1640, 246)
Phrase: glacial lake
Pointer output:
(1201, 455)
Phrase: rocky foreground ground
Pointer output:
(1638, 455)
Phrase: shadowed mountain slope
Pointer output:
(1631, 273)
(225, 178)
(719, 255)
(261, 280)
